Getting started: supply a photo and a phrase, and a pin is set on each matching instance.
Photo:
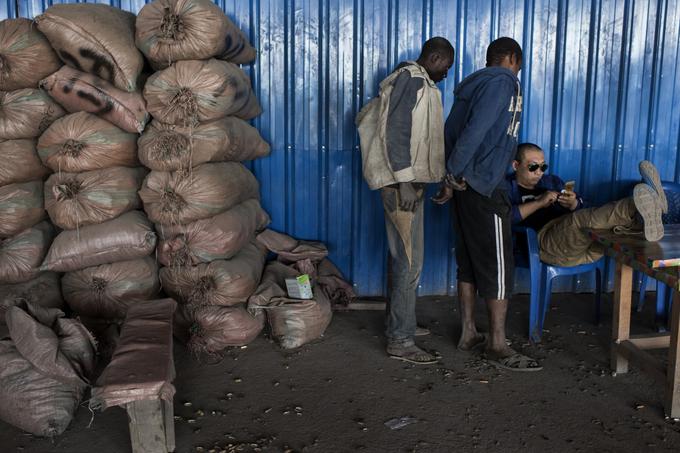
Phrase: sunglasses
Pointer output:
(535, 166)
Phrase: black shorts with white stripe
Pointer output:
(484, 242)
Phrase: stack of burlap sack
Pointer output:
(106, 244)
(204, 202)
(25, 112)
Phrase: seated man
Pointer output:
(540, 201)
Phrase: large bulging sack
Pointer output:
(194, 91)
(44, 290)
(293, 322)
(21, 207)
(74, 200)
(180, 197)
(44, 369)
(220, 282)
(172, 30)
(209, 330)
(82, 142)
(214, 238)
(20, 162)
(291, 250)
(25, 55)
(108, 290)
(22, 254)
(78, 91)
(127, 237)
(167, 147)
(95, 38)
(26, 113)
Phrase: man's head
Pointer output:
(505, 52)
(529, 165)
(436, 57)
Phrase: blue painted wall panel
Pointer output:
(601, 81)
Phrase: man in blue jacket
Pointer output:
(541, 201)
(480, 141)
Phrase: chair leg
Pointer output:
(545, 299)
(599, 275)
(534, 309)
(660, 318)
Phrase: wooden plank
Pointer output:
(366, 306)
(651, 341)
(644, 359)
(168, 414)
(147, 426)
(623, 287)
(672, 404)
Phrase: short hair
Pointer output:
(501, 48)
(439, 45)
(522, 149)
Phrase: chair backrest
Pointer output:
(672, 190)
(532, 252)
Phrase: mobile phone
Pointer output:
(569, 186)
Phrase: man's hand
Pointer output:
(444, 194)
(456, 184)
(547, 198)
(408, 198)
(568, 200)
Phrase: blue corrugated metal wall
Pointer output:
(601, 78)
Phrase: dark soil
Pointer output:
(336, 394)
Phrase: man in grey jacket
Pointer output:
(402, 145)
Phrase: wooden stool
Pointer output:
(139, 377)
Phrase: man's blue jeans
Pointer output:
(405, 238)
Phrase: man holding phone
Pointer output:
(551, 207)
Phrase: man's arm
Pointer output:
(492, 101)
(399, 122)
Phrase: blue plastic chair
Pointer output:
(664, 295)
(541, 277)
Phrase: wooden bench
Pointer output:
(140, 374)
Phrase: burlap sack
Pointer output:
(25, 55)
(74, 200)
(95, 38)
(26, 113)
(167, 147)
(214, 238)
(108, 290)
(78, 91)
(220, 282)
(142, 367)
(293, 322)
(180, 197)
(44, 369)
(290, 250)
(21, 207)
(172, 30)
(127, 237)
(22, 254)
(82, 142)
(209, 330)
(20, 162)
(44, 290)
(194, 91)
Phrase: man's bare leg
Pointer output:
(497, 345)
(469, 337)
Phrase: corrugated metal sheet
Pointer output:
(601, 77)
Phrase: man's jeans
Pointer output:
(405, 238)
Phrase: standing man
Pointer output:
(481, 138)
(402, 145)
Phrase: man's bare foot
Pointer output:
(471, 342)
(509, 359)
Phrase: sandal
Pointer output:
(515, 362)
(412, 354)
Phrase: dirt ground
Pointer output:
(335, 395)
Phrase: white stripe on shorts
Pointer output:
(500, 257)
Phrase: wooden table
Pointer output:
(661, 261)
